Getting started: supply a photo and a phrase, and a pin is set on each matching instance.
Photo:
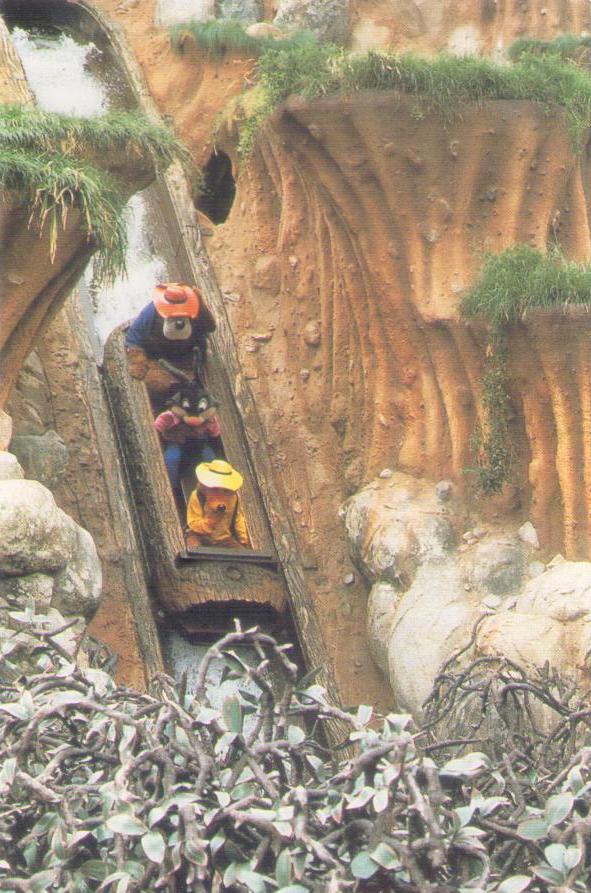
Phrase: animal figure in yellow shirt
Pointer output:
(214, 515)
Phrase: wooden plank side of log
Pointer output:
(14, 87)
(180, 585)
(124, 528)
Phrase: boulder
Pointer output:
(35, 535)
(394, 525)
(498, 566)
(43, 457)
(529, 640)
(562, 592)
(247, 11)
(10, 469)
(381, 608)
(175, 12)
(19, 591)
(432, 602)
(433, 619)
(77, 587)
(327, 19)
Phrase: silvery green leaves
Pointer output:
(104, 789)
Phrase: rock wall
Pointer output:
(351, 240)
(50, 575)
(463, 26)
(439, 590)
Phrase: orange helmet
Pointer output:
(176, 299)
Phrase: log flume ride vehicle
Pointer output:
(185, 579)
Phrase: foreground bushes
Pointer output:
(107, 789)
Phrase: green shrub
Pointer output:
(107, 789)
(40, 160)
(442, 85)
(521, 279)
(220, 36)
(565, 45)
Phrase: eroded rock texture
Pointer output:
(436, 587)
(360, 223)
(463, 26)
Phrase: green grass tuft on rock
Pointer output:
(521, 279)
(441, 85)
(40, 159)
(218, 37)
(565, 45)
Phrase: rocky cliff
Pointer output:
(357, 225)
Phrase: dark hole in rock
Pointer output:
(219, 188)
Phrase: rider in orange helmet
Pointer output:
(173, 326)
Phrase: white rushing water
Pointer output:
(57, 69)
(73, 78)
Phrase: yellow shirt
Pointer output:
(202, 518)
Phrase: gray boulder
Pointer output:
(43, 457)
(562, 592)
(393, 526)
(381, 608)
(35, 535)
(498, 565)
(433, 619)
(77, 588)
(19, 591)
(247, 11)
(327, 19)
(10, 470)
(175, 12)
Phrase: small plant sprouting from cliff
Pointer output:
(521, 279)
(220, 36)
(53, 185)
(491, 441)
(568, 46)
(40, 160)
(442, 85)
(512, 283)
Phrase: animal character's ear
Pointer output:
(211, 400)
(175, 399)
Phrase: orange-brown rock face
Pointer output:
(356, 227)
(463, 26)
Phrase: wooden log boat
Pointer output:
(185, 579)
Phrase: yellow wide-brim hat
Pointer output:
(219, 474)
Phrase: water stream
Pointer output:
(70, 74)
(74, 76)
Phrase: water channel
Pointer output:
(71, 73)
